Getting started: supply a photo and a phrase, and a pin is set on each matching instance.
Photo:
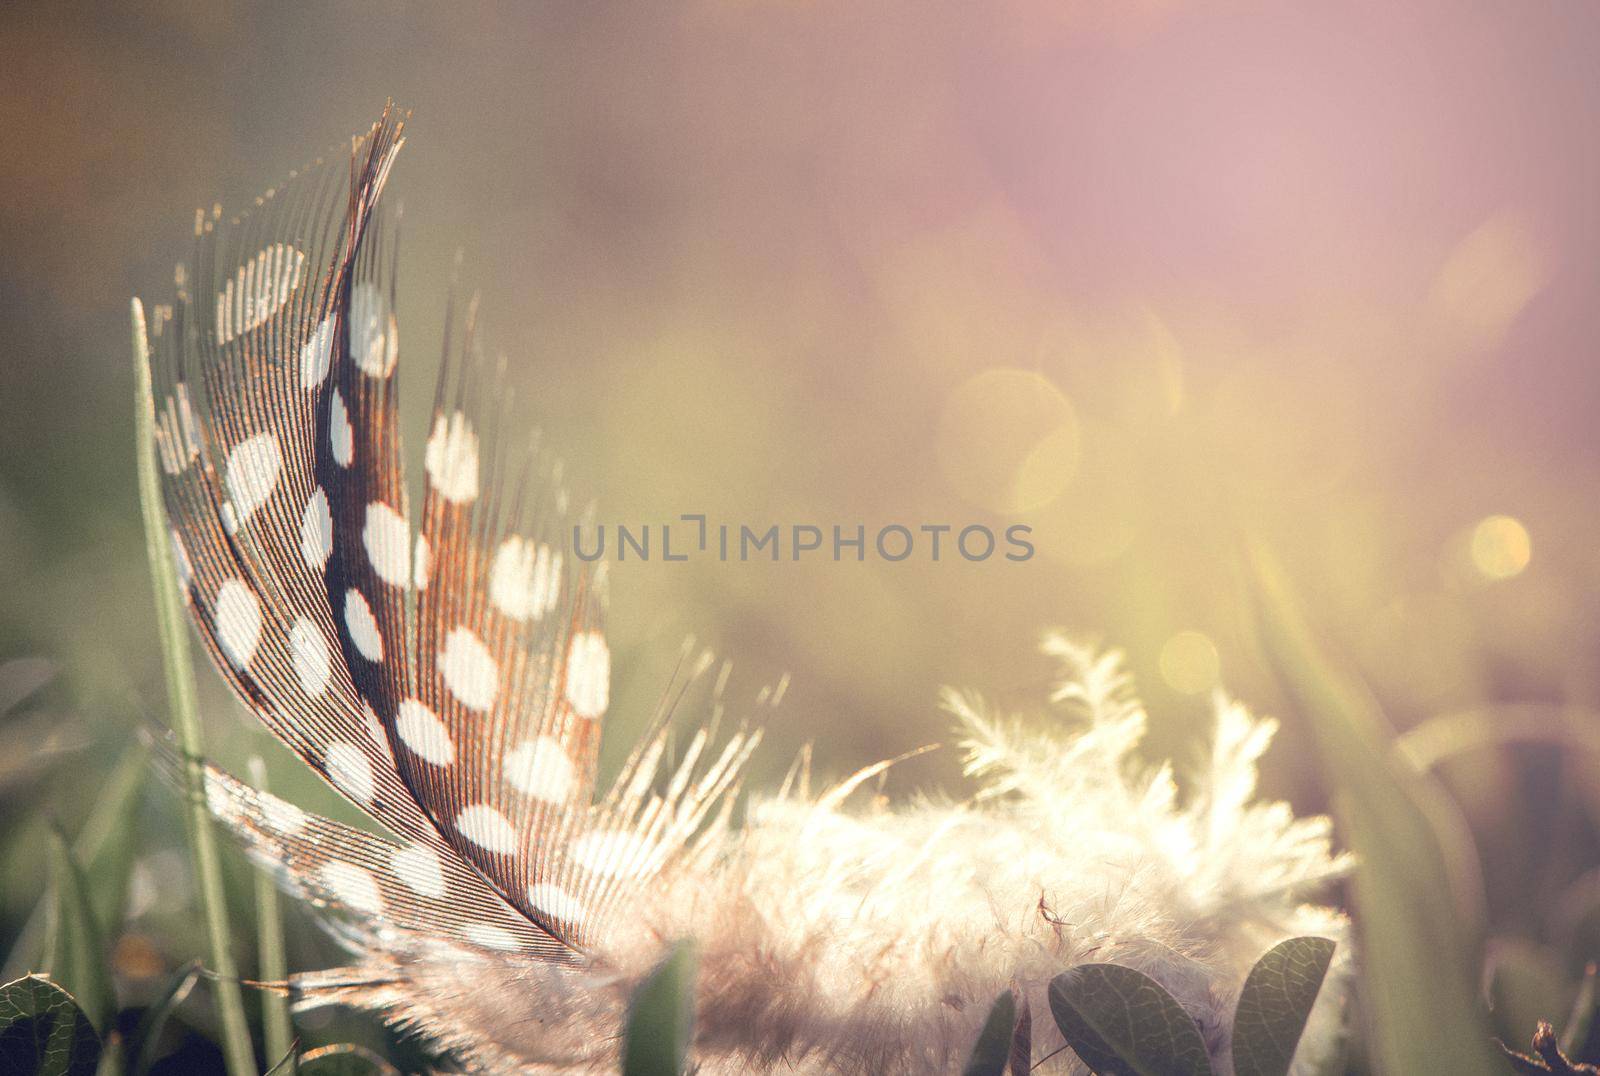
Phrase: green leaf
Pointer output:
(148, 1035)
(1121, 1022)
(993, 1048)
(1418, 897)
(344, 1059)
(1275, 1003)
(74, 952)
(43, 1032)
(661, 1018)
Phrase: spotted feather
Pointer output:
(450, 684)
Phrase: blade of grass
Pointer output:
(75, 949)
(104, 846)
(1418, 897)
(273, 961)
(185, 717)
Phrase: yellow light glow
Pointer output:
(1190, 664)
(1501, 547)
(1487, 281)
(1008, 440)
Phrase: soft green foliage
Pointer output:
(1418, 900)
(43, 1032)
(1275, 1003)
(993, 1048)
(1121, 1022)
(75, 950)
(185, 714)
(661, 1018)
(106, 845)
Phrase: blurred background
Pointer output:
(1146, 276)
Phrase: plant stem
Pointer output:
(274, 963)
(185, 717)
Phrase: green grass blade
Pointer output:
(186, 718)
(105, 846)
(75, 949)
(274, 963)
(1417, 893)
(661, 1018)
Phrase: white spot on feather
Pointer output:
(341, 437)
(259, 289)
(308, 651)
(421, 730)
(353, 886)
(588, 674)
(469, 670)
(613, 853)
(487, 828)
(488, 936)
(451, 458)
(374, 339)
(541, 768)
(316, 531)
(554, 902)
(524, 582)
(387, 537)
(419, 868)
(219, 799)
(362, 626)
(181, 564)
(316, 355)
(350, 771)
(281, 816)
(421, 563)
(251, 473)
(238, 620)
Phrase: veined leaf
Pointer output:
(1419, 901)
(74, 953)
(661, 1018)
(1275, 1003)
(43, 1032)
(1121, 1022)
(993, 1048)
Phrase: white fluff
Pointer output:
(840, 936)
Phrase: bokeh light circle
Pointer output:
(1008, 440)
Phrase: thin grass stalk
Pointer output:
(185, 718)
(108, 815)
(272, 957)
